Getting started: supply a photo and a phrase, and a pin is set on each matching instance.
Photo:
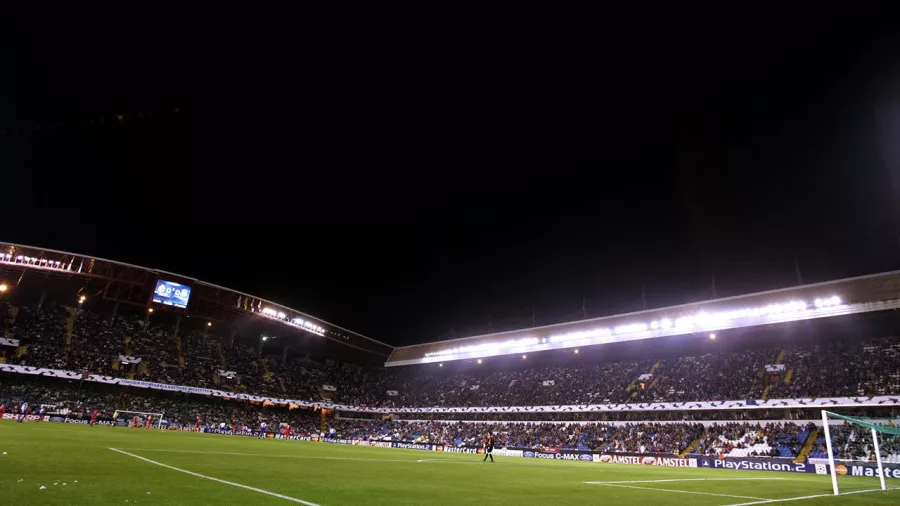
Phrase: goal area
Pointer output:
(859, 446)
(142, 417)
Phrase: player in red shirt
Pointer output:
(149, 422)
(197, 426)
(94, 417)
(287, 431)
(134, 422)
(2, 409)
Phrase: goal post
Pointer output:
(847, 443)
(830, 450)
(157, 417)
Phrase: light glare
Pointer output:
(687, 323)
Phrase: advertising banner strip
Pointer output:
(782, 466)
(867, 470)
(645, 460)
(655, 406)
(580, 456)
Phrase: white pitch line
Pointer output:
(233, 484)
(447, 461)
(680, 491)
(313, 457)
(767, 501)
(270, 455)
(680, 480)
(520, 462)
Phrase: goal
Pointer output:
(860, 447)
(142, 418)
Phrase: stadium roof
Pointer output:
(862, 294)
(133, 284)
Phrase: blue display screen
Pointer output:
(170, 293)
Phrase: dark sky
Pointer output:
(409, 183)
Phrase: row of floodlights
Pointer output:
(31, 260)
(481, 361)
(701, 320)
(297, 322)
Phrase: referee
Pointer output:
(488, 447)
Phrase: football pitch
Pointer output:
(62, 464)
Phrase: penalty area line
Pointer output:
(224, 482)
(680, 480)
(606, 484)
(788, 499)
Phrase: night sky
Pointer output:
(416, 184)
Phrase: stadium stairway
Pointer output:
(762, 374)
(70, 325)
(790, 370)
(178, 348)
(545, 395)
(267, 374)
(221, 355)
(11, 320)
(807, 446)
(691, 446)
(634, 383)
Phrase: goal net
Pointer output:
(857, 446)
(154, 419)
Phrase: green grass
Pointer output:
(78, 456)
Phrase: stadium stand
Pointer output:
(779, 439)
(134, 345)
(59, 337)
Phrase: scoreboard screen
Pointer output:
(170, 293)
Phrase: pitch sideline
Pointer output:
(225, 482)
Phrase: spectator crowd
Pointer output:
(774, 439)
(80, 340)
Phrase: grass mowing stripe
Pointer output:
(233, 484)
(679, 491)
(40, 454)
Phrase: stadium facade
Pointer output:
(137, 286)
(119, 283)
(859, 295)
